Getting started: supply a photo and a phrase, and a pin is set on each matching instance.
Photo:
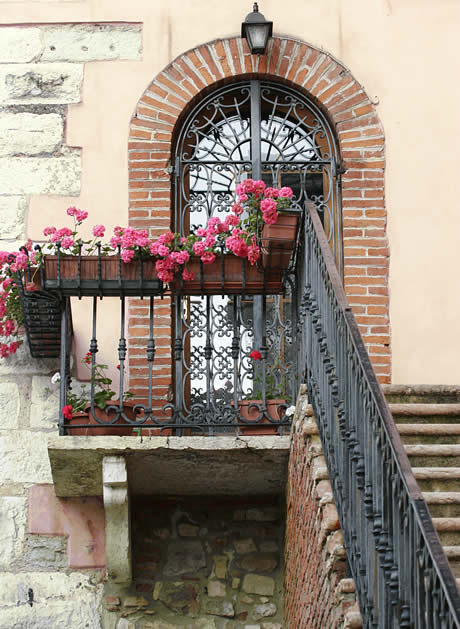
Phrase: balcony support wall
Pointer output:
(117, 519)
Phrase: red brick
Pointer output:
(316, 74)
(274, 56)
(222, 56)
(235, 56)
(173, 87)
(210, 62)
(296, 64)
(193, 76)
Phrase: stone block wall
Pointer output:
(202, 563)
(38, 589)
(41, 74)
(318, 593)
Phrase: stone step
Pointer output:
(443, 503)
(448, 530)
(430, 433)
(427, 393)
(432, 479)
(453, 556)
(434, 455)
(425, 413)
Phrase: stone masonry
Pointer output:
(202, 564)
(318, 594)
(38, 589)
(41, 74)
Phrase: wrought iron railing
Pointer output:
(217, 387)
(401, 574)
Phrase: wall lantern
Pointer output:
(256, 31)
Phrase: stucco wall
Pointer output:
(404, 53)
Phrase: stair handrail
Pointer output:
(401, 573)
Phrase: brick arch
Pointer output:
(360, 139)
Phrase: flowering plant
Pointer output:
(275, 380)
(103, 393)
(239, 233)
(11, 316)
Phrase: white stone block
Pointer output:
(24, 457)
(9, 405)
(117, 519)
(44, 408)
(22, 362)
(19, 44)
(12, 213)
(13, 518)
(59, 600)
(30, 134)
(37, 83)
(41, 175)
(92, 42)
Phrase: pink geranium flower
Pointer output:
(67, 242)
(188, 275)
(127, 255)
(198, 248)
(208, 257)
(286, 192)
(99, 231)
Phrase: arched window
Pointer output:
(247, 129)
(262, 130)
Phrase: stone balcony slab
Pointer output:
(219, 465)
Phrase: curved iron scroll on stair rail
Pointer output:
(401, 574)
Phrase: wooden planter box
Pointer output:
(106, 275)
(279, 241)
(229, 275)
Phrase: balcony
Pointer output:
(230, 340)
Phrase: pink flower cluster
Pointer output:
(255, 195)
(238, 233)
(15, 261)
(128, 238)
(79, 215)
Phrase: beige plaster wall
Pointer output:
(406, 55)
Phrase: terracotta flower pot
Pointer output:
(278, 241)
(110, 429)
(229, 275)
(96, 273)
(252, 414)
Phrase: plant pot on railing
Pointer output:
(279, 241)
(258, 421)
(100, 275)
(119, 428)
(229, 275)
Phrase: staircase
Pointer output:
(428, 419)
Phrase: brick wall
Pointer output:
(318, 593)
(361, 142)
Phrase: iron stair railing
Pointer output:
(401, 574)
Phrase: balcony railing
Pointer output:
(401, 574)
(231, 344)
